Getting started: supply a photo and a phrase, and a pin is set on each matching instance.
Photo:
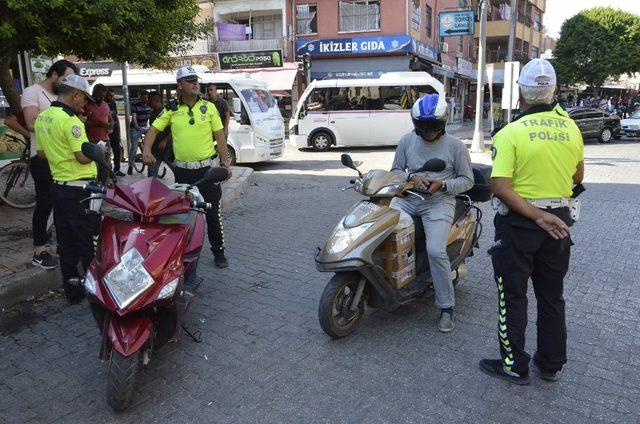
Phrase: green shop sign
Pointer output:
(244, 60)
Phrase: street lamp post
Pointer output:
(477, 145)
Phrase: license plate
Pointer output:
(276, 151)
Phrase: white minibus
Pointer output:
(358, 112)
(256, 129)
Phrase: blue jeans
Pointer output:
(135, 139)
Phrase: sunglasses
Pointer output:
(192, 120)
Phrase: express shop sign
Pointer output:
(354, 46)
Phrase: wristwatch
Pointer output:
(444, 187)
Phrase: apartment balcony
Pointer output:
(218, 46)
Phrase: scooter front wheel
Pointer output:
(122, 376)
(335, 313)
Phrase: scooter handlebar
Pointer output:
(91, 188)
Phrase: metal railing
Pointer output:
(218, 46)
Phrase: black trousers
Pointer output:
(114, 141)
(522, 250)
(76, 231)
(212, 193)
(42, 179)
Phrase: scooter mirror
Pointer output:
(347, 161)
(215, 174)
(433, 165)
(93, 152)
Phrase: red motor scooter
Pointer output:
(141, 280)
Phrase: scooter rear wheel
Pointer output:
(121, 379)
(334, 312)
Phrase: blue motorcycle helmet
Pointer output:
(429, 115)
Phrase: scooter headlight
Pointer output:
(128, 279)
(342, 237)
(169, 289)
(90, 283)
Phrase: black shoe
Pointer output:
(44, 260)
(74, 290)
(220, 260)
(130, 171)
(552, 376)
(494, 368)
(120, 174)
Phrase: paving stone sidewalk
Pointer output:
(264, 359)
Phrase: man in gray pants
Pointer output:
(429, 141)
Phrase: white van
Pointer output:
(256, 130)
(358, 112)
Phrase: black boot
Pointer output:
(74, 290)
(219, 259)
(494, 368)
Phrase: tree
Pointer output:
(144, 32)
(597, 44)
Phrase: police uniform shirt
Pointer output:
(60, 133)
(539, 152)
(192, 130)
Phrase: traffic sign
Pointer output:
(460, 22)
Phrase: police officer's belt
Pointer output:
(73, 183)
(194, 165)
(557, 202)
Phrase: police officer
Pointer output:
(60, 135)
(536, 159)
(194, 121)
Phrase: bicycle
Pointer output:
(16, 188)
(138, 163)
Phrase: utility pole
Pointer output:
(477, 145)
(127, 111)
(512, 29)
(512, 38)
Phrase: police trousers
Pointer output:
(212, 193)
(76, 231)
(42, 180)
(523, 250)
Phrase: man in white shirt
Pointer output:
(34, 100)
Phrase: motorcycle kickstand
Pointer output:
(196, 336)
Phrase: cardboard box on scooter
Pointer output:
(397, 261)
(403, 277)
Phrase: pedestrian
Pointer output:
(99, 123)
(536, 160)
(115, 139)
(60, 135)
(162, 147)
(194, 123)
(34, 100)
(19, 125)
(140, 112)
(221, 106)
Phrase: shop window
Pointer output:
(428, 20)
(359, 15)
(534, 52)
(415, 15)
(307, 19)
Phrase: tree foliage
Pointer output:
(144, 32)
(597, 44)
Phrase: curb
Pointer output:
(34, 282)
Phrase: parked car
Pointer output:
(631, 125)
(594, 123)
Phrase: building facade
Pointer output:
(364, 38)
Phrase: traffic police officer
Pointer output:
(536, 160)
(194, 121)
(60, 134)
